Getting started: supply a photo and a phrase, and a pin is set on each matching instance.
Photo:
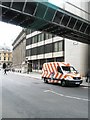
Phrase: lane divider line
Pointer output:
(72, 97)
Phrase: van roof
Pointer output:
(59, 63)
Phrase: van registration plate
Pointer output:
(77, 83)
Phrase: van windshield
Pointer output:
(69, 69)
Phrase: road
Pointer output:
(26, 97)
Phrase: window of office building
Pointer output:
(41, 50)
(39, 37)
(42, 37)
(28, 52)
(46, 36)
(60, 59)
(41, 63)
(50, 60)
(50, 36)
(34, 39)
(34, 51)
(48, 48)
(35, 65)
(58, 46)
(28, 41)
(55, 47)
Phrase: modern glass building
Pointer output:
(43, 47)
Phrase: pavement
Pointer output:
(38, 76)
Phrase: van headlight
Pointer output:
(69, 78)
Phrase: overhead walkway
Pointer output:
(46, 17)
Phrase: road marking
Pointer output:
(47, 90)
(85, 87)
(72, 97)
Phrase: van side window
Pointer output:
(59, 69)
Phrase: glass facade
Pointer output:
(48, 48)
(43, 48)
(58, 46)
(39, 38)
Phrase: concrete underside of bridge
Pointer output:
(44, 16)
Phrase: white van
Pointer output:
(61, 72)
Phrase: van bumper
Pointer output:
(73, 82)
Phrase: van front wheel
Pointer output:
(63, 83)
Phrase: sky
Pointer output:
(8, 33)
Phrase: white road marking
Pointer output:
(85, 87)
(72, 97)
(46, 90)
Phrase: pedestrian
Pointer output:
(5, 71)
(88, 76)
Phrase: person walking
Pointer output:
(5, 71)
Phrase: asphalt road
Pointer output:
(26, 97)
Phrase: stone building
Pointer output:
(19, 47)
(5, 56)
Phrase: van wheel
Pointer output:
(63, 83)
(45, 80)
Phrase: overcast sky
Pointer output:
(8, 33)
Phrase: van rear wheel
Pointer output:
(63, 83)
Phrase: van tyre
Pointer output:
(63, 83)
